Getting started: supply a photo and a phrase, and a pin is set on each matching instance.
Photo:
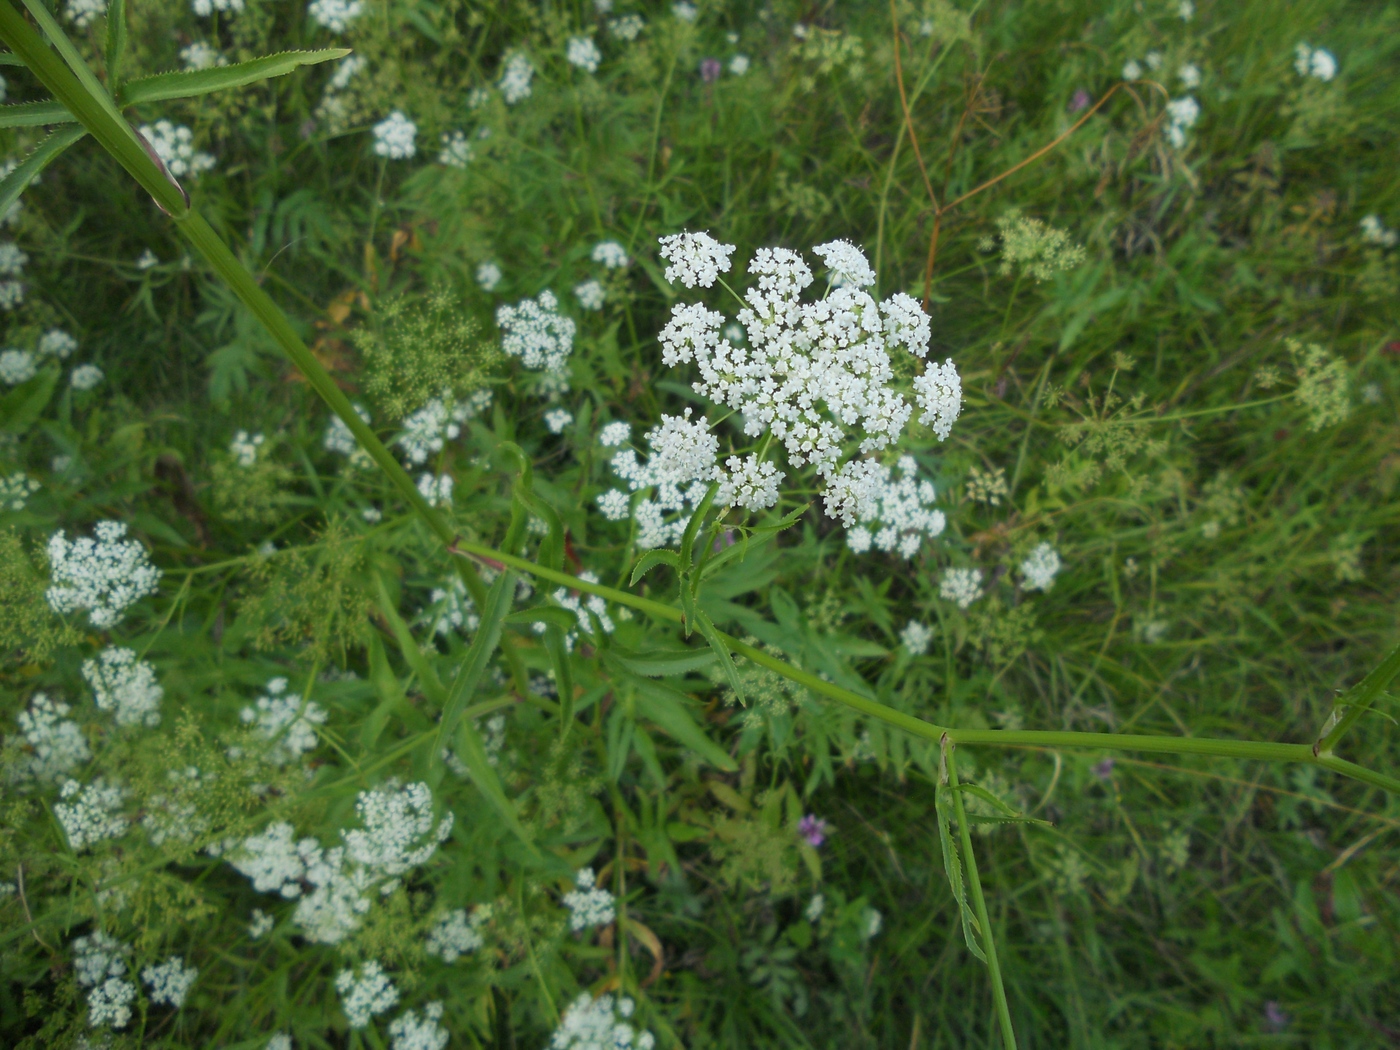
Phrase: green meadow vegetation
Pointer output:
(606, 525)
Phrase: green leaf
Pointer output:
(693, 525)
(116, 41)
(650, 560)
(23, 405)
(164, 86)
(664, 663)
(550, 614)
(558, 651)
(472, 752)
(952, 865)
(32, 114)
(726, 662)
(666, 709)
(474, 664)
(408, 645)
(44, 154)
(1005, 814)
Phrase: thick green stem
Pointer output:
(979, 904)
(103, 121)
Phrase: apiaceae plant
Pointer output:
(456, 824)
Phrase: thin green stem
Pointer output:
(979, 907)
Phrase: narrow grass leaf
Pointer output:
(188, 84)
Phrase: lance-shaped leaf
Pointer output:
(726, 662)
(204, 81)
(952, 865)
(44, 154)
(33, 114)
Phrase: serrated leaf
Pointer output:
(488, 636)
(726, 662)
(952, 866)
(692, 527)
(116, 41)
(650, 560)
(549, 614)
(664, 663)
(24, 404)
(1005, 815)
(44, 154)
(190, 83)
(32, 114)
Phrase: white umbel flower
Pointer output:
(17, 366)
(556, 419)
(340, 439)
(611, 254)
(915, 638)
(695, 258)
(938, 392)
(394, 137)
(626, 27)
(750, 483)
(103, 575)
(244, 448)
(847, 263)
(427, 430)
(56, 740)
(1190, 76)
(516, 74)
(456, 150)
(13, 259)
(1315, 62)
(82, 13)
(57, 343)
(614, 505)
(86, 377)
(590, 294)
(261, 923)
(124, 685)
(89, 814)
(109, 1003)
(1183, 113)
(335, 15)
(596, 1024)
(365, 993)
(536, 332)
(174, 145)
(583, 53)
(456, 934)
(488, 275)
(961, 586)
(589, 905)
(614, 434)
(739, 65)
(1373, 231)
(1132, 70)
(98, 957)
(205, 8)
(410, 1032)
(170, 981)
(436, 489)
(1040, 568)
(283, 719)
(888, 513)
(201, 55)
(16, 489)
(400, 832)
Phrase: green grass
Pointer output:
(1227, 562)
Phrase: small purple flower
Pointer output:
(813, 829)
(1104, 769)
(723, 540)
(710, 70)
(1275, 1020)
(1080, 100)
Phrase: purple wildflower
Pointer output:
(1080, 100)
(1104, 769)
(813, 829)
(710, 70)
(1275, 1020)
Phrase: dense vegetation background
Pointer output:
(1199, 413)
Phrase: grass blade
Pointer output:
(188, 84)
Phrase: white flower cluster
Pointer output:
(488, 275)
(452, 608)
(174, 816)
(125, 685)
(205, 8)
(82, 13)
(1040, 568)
(17, 366)
(536, 332)
(335, 15)
(892, 514)
(581, 606)
(556, 419)
(456, 934)
(104, 575)
(393, 137)
(626, 27)
(409, 1032)
(456, 150)
(590, 294)
(1373, 231)
(436, 489)
(100, 967)
(590, 905)
(340, 439)
(174, 145)
(915, 638)
(515, 78)
(244, 448)
(739, 65)
(594, 1024)
(90, 814)
(439, 421)
(57, 343)
(611, 254)
(695, 258)
(201, 55)
(583, 53)
(286, 721)
(962, 587)
(56, 740)
(366, 993)
(169, 981)
(400, 834)
(15, 491)
(1315, 62)
(13, 259)
(85, 377)
(1182, 114)
(614, 434)
(260, 925)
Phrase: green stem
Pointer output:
(106, 125)
(1358, 700)
(979, 906)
